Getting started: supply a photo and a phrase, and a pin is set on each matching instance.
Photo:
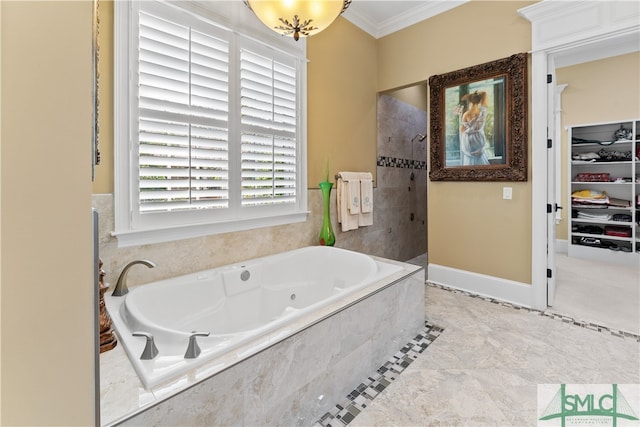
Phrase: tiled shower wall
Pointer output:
(403, 198)
(393, 234)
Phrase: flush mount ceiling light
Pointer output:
(297, 17)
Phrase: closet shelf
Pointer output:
(602, 183)
(602, 237)
(591, 164)
(622, 166)
(601, 222)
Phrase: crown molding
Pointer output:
(423, 10)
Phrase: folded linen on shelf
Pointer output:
(618, 231)
(619, 203)
(590, 215)
(592, 177)
(589, 197)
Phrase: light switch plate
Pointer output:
(507, 193)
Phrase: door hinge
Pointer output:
(549, 143)
(549, 273)
(549, 78)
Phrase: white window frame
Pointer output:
(132, 228)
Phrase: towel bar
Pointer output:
(337, 176)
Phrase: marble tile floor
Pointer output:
(484, 368)
(361, 396)
(598, 292)
(592, 292)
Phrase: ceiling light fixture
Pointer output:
(297, 17)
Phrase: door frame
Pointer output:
(569, 33)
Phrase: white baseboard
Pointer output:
(494, 287)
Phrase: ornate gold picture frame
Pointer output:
(478, 124)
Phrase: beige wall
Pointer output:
(416, 95)
(470, 227)
(103, 182)
(47, 276)
(341, 97)
(597, 91)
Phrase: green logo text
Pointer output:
(565, 405)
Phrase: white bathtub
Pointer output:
(253, 301)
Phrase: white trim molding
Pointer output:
(567, 32)
(382, 27)
(561, 24)
(562, 246)
(494, 287)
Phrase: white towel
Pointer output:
(353, 188)
(366, 189)
(345, 218)
(366, 192)
(353, 196)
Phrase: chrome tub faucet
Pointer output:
(121, 288)
(193, 350)
(150, 350)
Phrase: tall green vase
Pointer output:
(327, 238)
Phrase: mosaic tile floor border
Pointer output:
(566, 319)
(345, 411)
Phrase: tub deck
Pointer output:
(124, 399)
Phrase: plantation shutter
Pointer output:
(183, 105)
(268, 130)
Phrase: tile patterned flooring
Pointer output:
(485, 366)
(344, 412)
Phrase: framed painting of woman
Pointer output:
(478, 125)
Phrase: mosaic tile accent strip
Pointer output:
(566, 319)
(345, 411)
(394, 162)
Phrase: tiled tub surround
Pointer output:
(290, 382)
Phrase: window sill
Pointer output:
(160, 235)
